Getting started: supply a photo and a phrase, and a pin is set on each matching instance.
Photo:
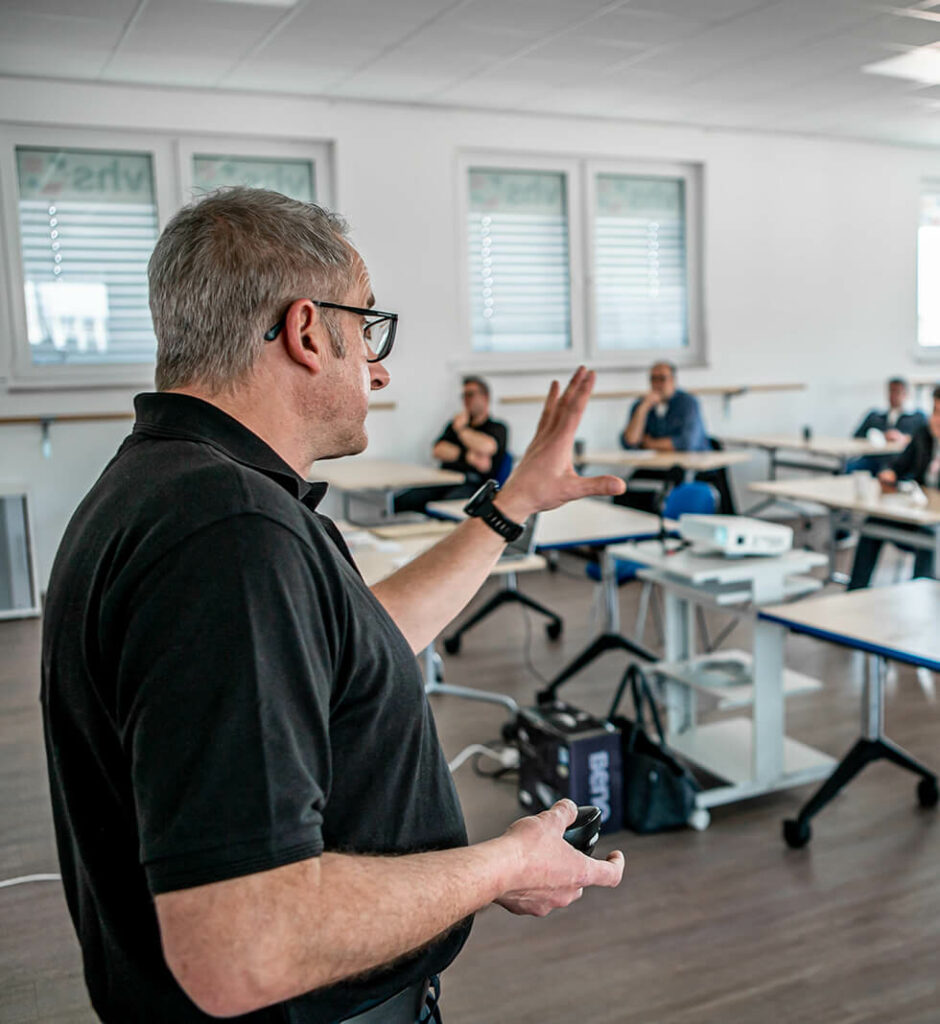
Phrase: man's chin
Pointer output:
(349, 446)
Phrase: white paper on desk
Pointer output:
(358, 539)
(875, 437)
(911, 497)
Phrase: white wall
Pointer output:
(809, 253)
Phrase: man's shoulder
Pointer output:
(685, 399)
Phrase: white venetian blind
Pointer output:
(640, 290)
(520, 293)
(928, 268)
(88, 224)
(290, 177)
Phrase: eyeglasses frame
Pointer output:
(376, 315)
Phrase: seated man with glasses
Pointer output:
(664, 419)
(472, 443)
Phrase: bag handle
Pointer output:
(635, 678)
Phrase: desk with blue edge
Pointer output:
(897, 623)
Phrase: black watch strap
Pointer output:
(481, 506)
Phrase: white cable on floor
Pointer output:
(478, 748)
(29, 878)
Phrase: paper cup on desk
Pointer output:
(867, 487)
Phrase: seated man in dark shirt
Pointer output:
(920, 462)
(472, 443)
(897, 423)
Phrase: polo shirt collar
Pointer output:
(166, 414)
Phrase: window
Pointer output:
(582, 260)
(88, 223)
(294, 178)
(520, 284)
(639, 263)
(928, 270)
(83, 211)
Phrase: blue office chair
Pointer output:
(698, 498)
(502, 471)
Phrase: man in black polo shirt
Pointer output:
(253, 814)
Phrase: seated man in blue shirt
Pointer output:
(897, 423)
(665, 419)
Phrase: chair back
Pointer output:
(696, 497)
(501, 472)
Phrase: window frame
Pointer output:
(581, 176)
(522, 362)
(318, 153)
(632, 358)
(24, 375)
(171, 156)
(924, 354)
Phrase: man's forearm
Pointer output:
(270, 936)
(633, 434)
(659, 444)
(477, 441)
(430, 591)
(446, 451)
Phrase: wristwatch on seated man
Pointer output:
(481, 506)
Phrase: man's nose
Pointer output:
(380, 376)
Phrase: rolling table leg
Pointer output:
(872, 746)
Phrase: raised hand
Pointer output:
(545, 476)
(549, 873)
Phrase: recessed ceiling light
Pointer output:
(919, 65)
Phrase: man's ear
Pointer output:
(304, 335)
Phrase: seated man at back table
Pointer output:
(472, 443)
(665, 419)
(920, 461)
(897, 423)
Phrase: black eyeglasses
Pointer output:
(378, 328)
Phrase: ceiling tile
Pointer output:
(121, 9)
(219, 31)
(183, 69)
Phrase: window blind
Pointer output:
(640, 291)
(294, 178)
(88, 224)
(520, 287)
(928, 269)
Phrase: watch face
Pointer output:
(482, 496)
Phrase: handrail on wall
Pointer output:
(44, 422)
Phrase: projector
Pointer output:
(735, 535)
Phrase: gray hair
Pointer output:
(225, 269)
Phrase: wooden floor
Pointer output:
(726, 926)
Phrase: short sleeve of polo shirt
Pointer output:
(224, 688)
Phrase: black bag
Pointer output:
(658, 791)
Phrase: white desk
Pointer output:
(751, 755)
(368, 478)
(837, 494)
(380, 552)
(642, 458)
(588, 522)
(816, 455)
(896, 623)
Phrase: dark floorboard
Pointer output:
(726, 926)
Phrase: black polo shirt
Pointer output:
(222, 695)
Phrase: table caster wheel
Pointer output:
(452, 644)
(553, 629)
(796, 833)
(927, 794)
(700, 819)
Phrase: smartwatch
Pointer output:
(481, 506)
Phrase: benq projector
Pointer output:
(735, 535)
